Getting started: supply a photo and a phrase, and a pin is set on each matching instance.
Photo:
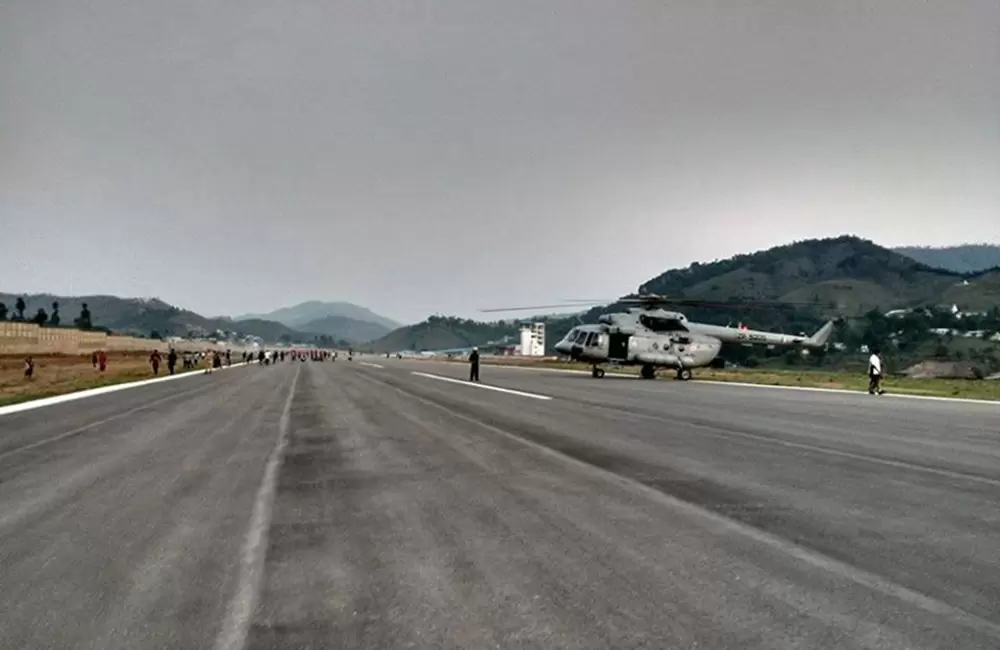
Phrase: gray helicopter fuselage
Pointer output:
(665, 339)
(626, 340)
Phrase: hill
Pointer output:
(144, 316)
(845, 273)
(841, 276)
(301, 315)
(443, 332)
(967, 258)
(344, 329)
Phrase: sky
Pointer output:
(445, 156)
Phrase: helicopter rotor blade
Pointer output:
(654, 300)
(564, 305)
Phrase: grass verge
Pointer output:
(59, 375)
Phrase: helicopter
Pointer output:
(649, 336)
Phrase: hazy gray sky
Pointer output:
(420, 157)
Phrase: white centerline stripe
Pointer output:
(478, 385)
(235, 628)
(371, 365)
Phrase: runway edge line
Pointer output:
(102, 390)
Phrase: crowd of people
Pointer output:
(214, 359)
(210, 359)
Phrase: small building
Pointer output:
(533, 339)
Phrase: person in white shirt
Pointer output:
(875, 373)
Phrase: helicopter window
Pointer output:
(664, 324)
(581, 337)
(591, 339)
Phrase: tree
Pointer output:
(54, 318)
(155, 335)
(40, 316)
(83, 321)
(3, 311)
(19, 306)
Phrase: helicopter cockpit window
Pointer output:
(591, 339)
(581, 337)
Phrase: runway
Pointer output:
(391, 504)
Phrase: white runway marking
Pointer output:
(844, 391)
(241, 609)
(371, 365)
(87, 427)
(91, 392)
(484, 386)
(814, 389)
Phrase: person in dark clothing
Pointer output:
(154, 360)
(229, 358)
(171, 360)
(474, 365)
(29, 368)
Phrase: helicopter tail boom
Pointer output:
(741, 335)
(822, 335)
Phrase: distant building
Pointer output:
(533, 339)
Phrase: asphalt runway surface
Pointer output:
(391, 504)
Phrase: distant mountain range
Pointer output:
(844, 276)
(146, 316)
(967, 258)
(343, 320)
(149, 316)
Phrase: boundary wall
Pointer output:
(28, 338)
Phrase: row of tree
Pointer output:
(43, 317)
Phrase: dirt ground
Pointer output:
(58, 374)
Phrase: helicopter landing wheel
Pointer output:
(648, 372)
(684, 374)
(597, 373)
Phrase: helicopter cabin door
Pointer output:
(618, 346)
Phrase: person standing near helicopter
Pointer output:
(474, 364)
